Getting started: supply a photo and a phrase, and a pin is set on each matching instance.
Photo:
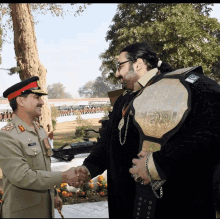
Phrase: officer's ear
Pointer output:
(20, 101)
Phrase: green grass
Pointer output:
(62, 138)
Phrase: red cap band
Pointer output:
(18, 92)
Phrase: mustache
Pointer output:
(120, 77)
(39, 106)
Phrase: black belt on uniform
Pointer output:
(145, 202)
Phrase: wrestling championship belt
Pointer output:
(161, 108)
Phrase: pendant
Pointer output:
(121, 124)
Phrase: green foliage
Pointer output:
(182, 34)
(54, 115)
(106, 109)
(54, 112)
(102, 185)
(83, 125)
(54, 123)
(87, 188)
(98, 88)
(186, 38)
(57, 91)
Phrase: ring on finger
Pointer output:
(137, 178)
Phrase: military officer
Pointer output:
(28, 182)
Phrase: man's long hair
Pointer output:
(146, 52)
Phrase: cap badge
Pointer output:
(21, 128)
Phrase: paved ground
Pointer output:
(86, 210)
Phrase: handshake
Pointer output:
(76, 176)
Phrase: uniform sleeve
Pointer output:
(17, 171)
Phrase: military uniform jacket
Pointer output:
(28, 182)
(187, 159)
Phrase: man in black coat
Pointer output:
(171, 121)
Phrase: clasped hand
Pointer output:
(76, 176)
(140, 168)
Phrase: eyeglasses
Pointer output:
(120, 63)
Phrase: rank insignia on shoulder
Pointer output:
(21, 128)
(192, 78)
(8, 127)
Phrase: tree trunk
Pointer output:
(26, 52)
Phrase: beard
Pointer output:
(129, 79)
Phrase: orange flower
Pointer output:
(106, 185)
(70, 194)
(58, 190)
(90, 180)
(102, 193)
(100, 178)
(99, 184)
(64, 193)
(0, 201)
(83, 193)
(91, 185)
(1, 192)
(63, 184)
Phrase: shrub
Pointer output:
(87, 188)
(106, 109)
(54, 114)
(63, 192)
(54, 123)
(102, 186)
(83, 125)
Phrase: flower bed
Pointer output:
(85, 194)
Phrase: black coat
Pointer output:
(187, 160)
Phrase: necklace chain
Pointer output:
(122, 143)
(121, 123)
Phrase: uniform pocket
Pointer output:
(35, 157)
(33, 150)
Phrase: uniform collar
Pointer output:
(145, 79)
(20, 125)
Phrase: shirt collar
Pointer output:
(19, 123)
(145, 79)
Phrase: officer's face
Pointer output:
(126, 73)
(32, 105)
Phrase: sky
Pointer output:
(69, 47)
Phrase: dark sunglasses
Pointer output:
(120, 63)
